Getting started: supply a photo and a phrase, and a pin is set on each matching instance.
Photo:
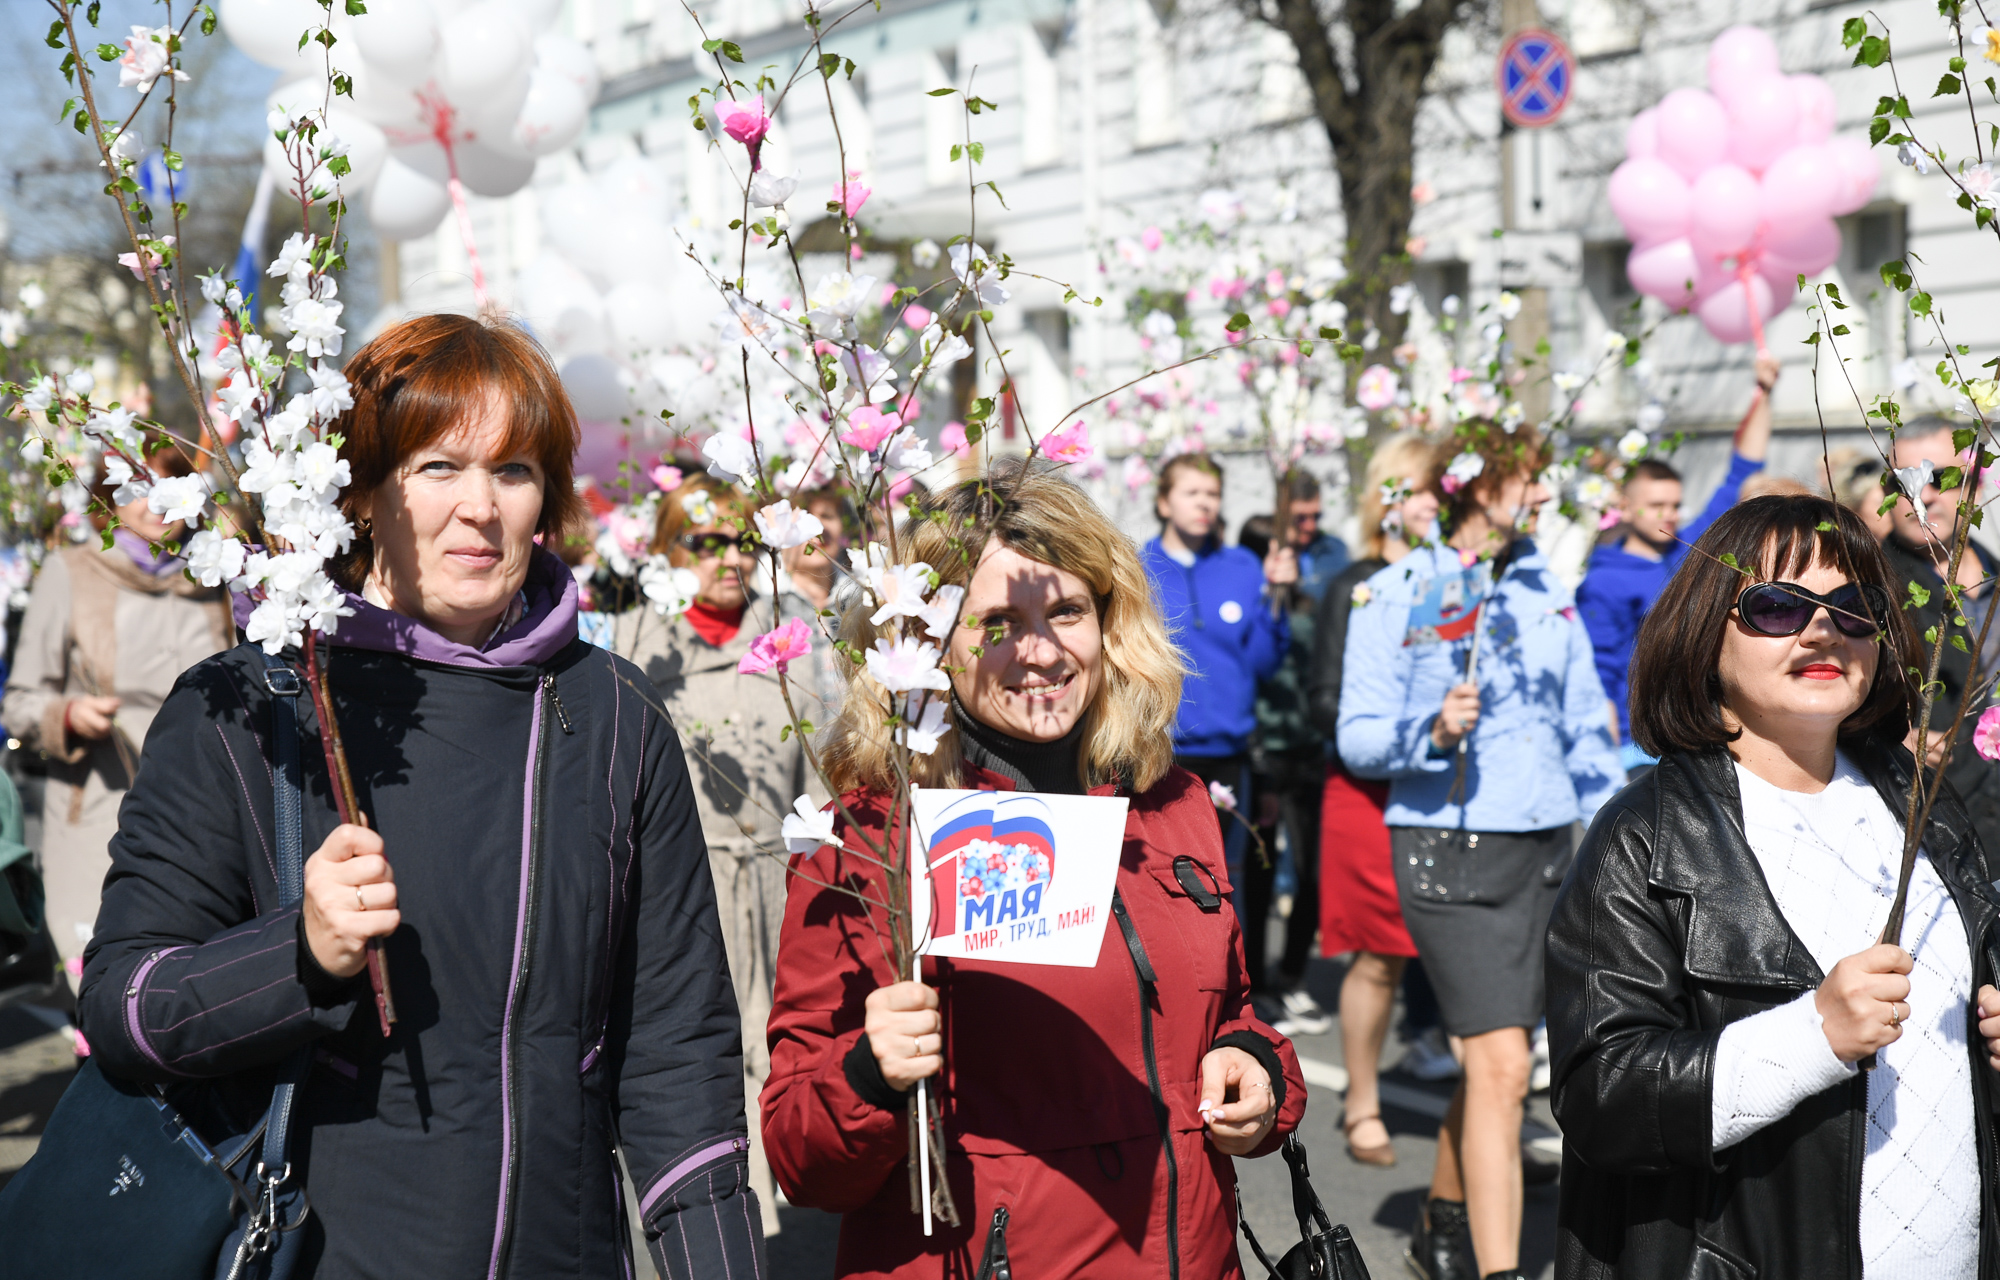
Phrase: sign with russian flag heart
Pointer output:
(1014, 878)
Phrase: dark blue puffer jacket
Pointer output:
(559, 970)
(1218, 615)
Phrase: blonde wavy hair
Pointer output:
(1407, 458)
(1036, 512)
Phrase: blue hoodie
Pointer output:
(1620, 587)
(1541, 754)
(1216, 612)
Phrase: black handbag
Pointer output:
(1326, 1250)
(124, 1182)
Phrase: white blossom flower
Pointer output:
(330, 395)
(867, 370)
(294, 260)
(117, 427)
(1912, 481)
(271, 625)
(924, 253)
(1614, 342)
(179, 498)
(40, 395)
(730, 457)
(214, 559)
(214, 287)
(1509, 305)
(807, 827)
(901, 589)
(1913, 156)
(938, 615)
(80, 382)
(838, 298)
(32, 297)
(940, 347)
(1651, 416)
(1567, 383)
(1904, 373)
(769, 191)
(315, 326)
(1465, 468)
(1593, 491)
(264, 469)
(322, 604)
(126, 489)
(906, 664)
(906, 452)
(1221, 209)
(976, 272)
(700, 508)
(13, 324)
(147, 58)
(923, 736)
(671, 590)
(1400, 298)
(291, 426)
(783, 528)
(747, 326)
(1632, 444)
(320, 472)
(34, 450)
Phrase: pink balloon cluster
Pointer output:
(1747, 173)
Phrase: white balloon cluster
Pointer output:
(443, 91)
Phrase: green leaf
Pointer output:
(1874, 52)
(207, 20)
(940, 93)
(1962, 439)
(1919, 594)
(1947, 85)
(1930, 635)
(727, 48)
(1950, 478)
(1920, 303)
(1238, 322)
(54, 40)
(1958, 643)
(1841, 331)
(977, 150)
(1824, 526)
(1729, 558)
(1852, 32)
(956, 152)
(1330, 333)
(172, 159)
(1878, 129)
(355, 8)
(109, 53)
(1888, 501)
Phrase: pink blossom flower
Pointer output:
(778, 649)
(1137, 474)
(1279, 308)
(1071, 444)
(154, 253)
(917, 317)
(868, 428)
(1460, 374)
(1224, 797)
(665, 478)
(1609, 517)
(1422, 193)
(747, 123)
(1986, 734)
(1231, 289)
(953, 438)
(852, 195)
(1274, 283)
(1150, 237)
(1377, 387)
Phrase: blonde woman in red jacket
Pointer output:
(1098, 1108)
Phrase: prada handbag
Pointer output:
(124, 1182)
(1326, 1250)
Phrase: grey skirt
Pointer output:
(1477, 905)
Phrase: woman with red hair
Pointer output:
(530, 859)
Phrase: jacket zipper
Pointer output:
(555, 698)
(524, 931)
(1148, 980)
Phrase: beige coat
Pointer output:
(745, 781)
(98, 624)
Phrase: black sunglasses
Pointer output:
(714, 544)
(1786, 608)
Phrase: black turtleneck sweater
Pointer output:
(1031, 766)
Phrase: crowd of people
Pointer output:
(569, 857)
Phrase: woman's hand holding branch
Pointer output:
(905, 1033)
(350, 899)
(1861, 1003)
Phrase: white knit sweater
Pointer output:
(1831, 861)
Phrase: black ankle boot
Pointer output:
(1441, 1246)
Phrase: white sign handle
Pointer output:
(923, 1093)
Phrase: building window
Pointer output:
(1041, 97)
(1867, 240)
(1156, 117)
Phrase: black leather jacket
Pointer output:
(1665, 932)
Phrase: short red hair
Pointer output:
(416, 383)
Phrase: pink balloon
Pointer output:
(1738, 56)
(1664, 271)
(1726, 313)
(1723, 218)
(1642, 136)
(1693, 130)
(1858, 172)
(1763, 122)
(1808, 248)
(1818, 110)
(1650, 199)
(1802, 186)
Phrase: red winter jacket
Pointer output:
(1048, 1096)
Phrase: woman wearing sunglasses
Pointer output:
(1715, 980)
(745, 776)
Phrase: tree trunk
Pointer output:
(1368, 108)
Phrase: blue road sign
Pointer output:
(1535, 76)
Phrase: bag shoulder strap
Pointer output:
(287, 804)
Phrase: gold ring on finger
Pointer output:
(360, 903)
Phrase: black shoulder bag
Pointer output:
(122, 1179)
(1327, 1251)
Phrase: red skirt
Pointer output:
(1358, 906)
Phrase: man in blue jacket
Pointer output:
(1219, 606)
(1626, 575)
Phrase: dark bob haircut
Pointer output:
(1676, 688)
(422, 379)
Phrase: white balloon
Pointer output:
(398, 38)
(536, 13)
(594, 388)
(552, 116)
(268, 31)
(568, 212)
(639, 318)
(485, 53)
(487, 171)
(571, 61)
(405, 204)
(381, 98)
(367, 149)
